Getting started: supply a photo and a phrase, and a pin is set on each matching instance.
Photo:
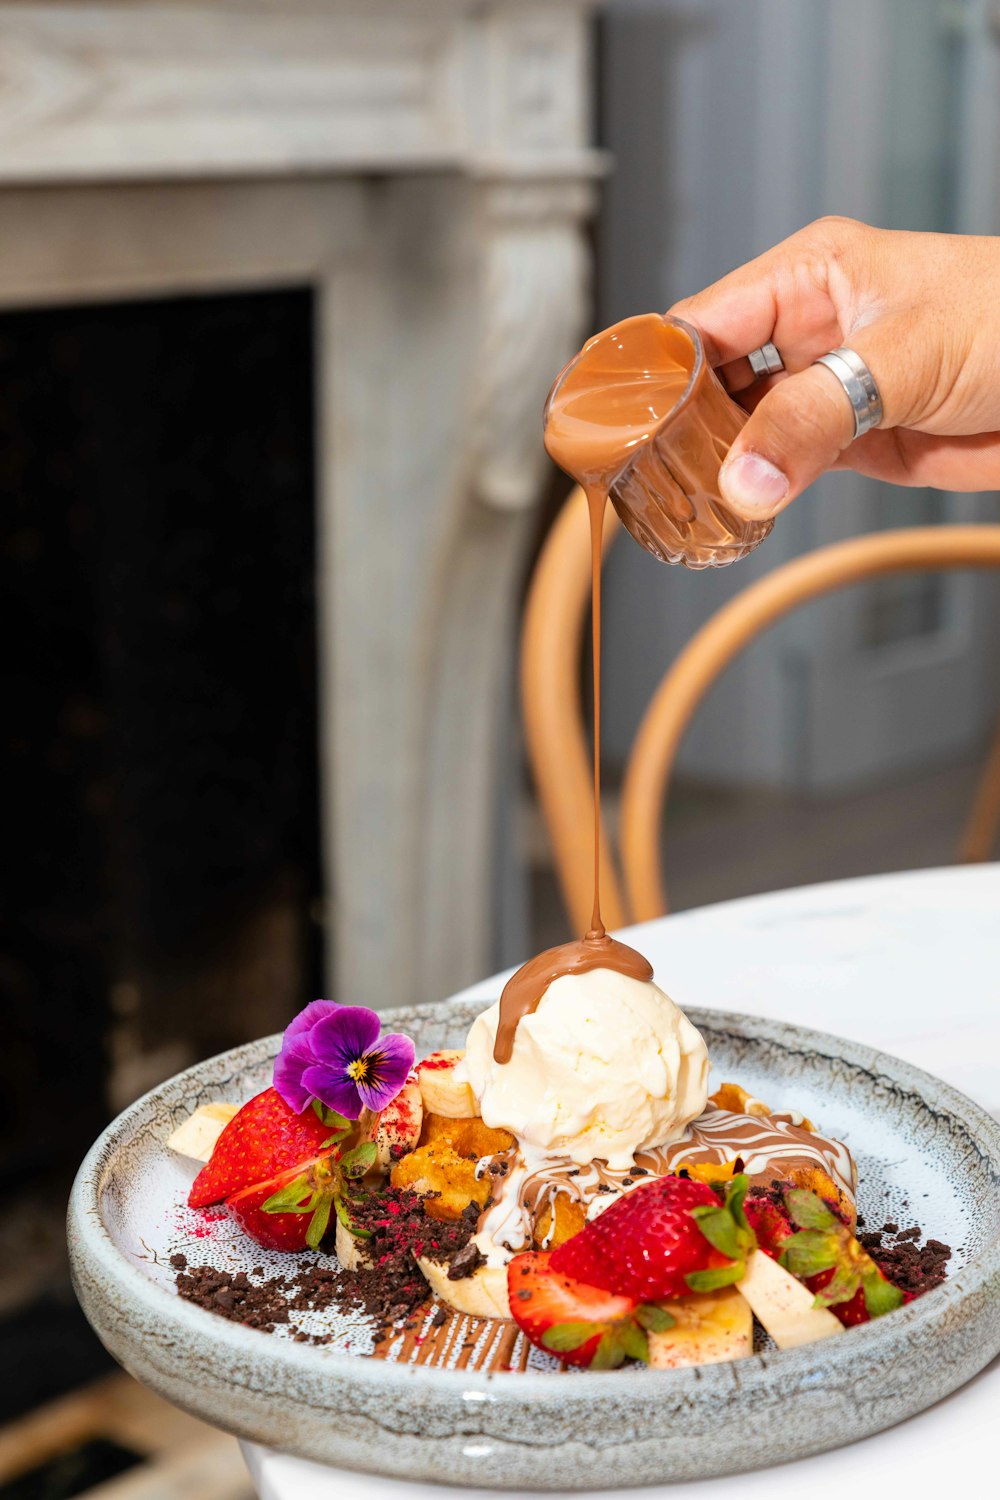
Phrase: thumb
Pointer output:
(795, 433)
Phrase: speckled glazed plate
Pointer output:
(925, 1154)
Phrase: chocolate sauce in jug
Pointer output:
(641, 416)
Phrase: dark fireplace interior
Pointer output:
(160, 891)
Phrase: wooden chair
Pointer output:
(551, 643)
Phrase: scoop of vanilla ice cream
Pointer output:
(605, 1066)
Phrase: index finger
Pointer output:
(736, 314)
(782, 297)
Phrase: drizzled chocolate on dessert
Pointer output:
(525, 1197)
(524, 989)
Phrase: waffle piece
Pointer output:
(443, 1167)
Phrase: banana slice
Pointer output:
(350, 1248)
(397, 1129)
(442, 1093)
(481, 1295)
(197, 1136)
(709, 1328)
(784, 1305)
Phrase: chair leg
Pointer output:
(980, 832)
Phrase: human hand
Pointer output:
(922, 311)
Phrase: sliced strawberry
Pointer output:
(580, 1324)
(262, 1140)
(308, 1190)
(271, 1231)
(769, 1219)
(665, 1239)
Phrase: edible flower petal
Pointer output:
(334, 1053)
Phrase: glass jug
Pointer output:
(640, 415)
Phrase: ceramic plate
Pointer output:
(925, 1154)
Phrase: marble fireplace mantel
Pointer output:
(424, 165)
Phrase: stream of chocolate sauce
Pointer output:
(597, 414)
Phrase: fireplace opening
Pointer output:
(160, 890)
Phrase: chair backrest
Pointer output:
(550, 656)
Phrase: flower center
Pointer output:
(358, 1069)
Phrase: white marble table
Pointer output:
(909, 963)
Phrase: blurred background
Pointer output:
(281, 293)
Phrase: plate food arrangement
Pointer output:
(604, 1209)
(419, 1286)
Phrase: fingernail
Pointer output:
(753, 483)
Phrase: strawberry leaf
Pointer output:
(330, 1117)
(881, 1296)
(357, 1161)
(719, 1228)
(634, 1342)
(653, 1318)
(344, 1215)
(736, 1191)
(289, 1199)
(840, 1289)
(319, 1222)
(563, 1337)
(610, 1351)
(716, 1276)
(810, 1251)
(808, 1210)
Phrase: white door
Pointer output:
(733, 124)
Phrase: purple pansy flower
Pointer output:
(334, 1053)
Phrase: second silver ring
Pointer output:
(765, 361)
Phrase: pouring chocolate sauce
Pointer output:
(638, 417)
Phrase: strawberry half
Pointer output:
(667, 1238)
(261, 1141)
(581, 1324)
(260, 1212)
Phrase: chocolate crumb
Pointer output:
(468, 1259)
(179, 1262)
(440, 1317)
(910, 1266)
(640, 1171)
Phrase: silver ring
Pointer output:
(859, 387)
(766, 360)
